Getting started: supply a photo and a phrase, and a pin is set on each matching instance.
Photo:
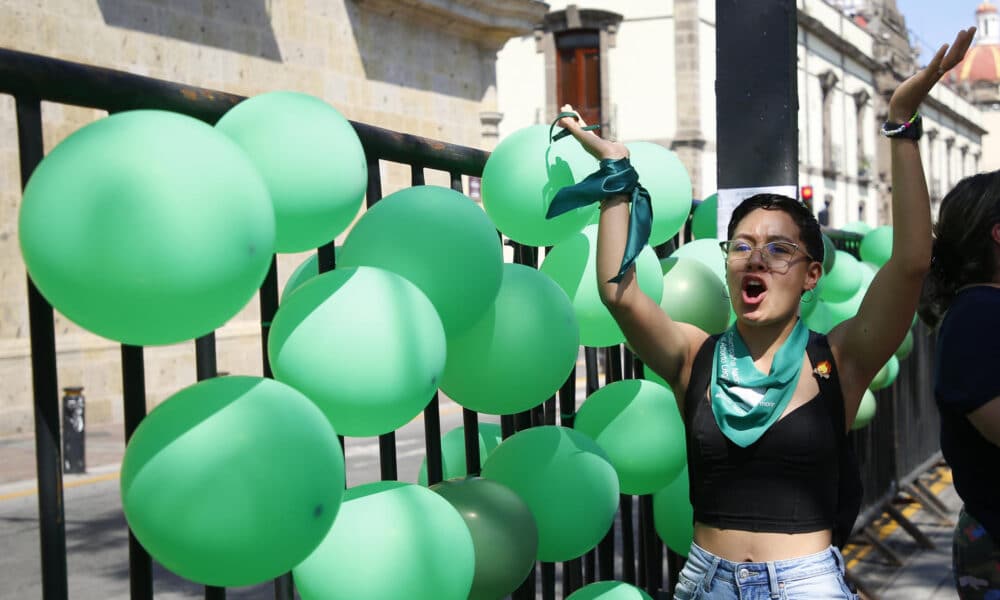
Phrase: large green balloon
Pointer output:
(520, 352)
(311, 158)
(232, 481)
(306, 270)
(663, 175)
(819, 319)
(453, 451)
(441, 241)
(393, 540)
(906, 346)
(147, 227)
(876, 247)
(693, 294)
(568, 483)
(572, 264)
(521, 177)
(707, 252)
(866, 411)
(364, 344)
(842, 311)
(673, 517)
(886, 375)
(844, 280)
(704, 221)
(609, 590)
(637, 423)
(504, 533)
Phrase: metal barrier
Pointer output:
(899, 442)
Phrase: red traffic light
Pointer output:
(806, 193)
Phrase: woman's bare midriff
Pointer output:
(753, 546)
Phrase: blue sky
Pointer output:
(935, 22)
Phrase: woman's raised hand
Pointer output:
(908, 96)
(597, 146)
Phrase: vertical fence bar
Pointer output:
(206, 368)
(140, 565)
(45, 387)
(628, 539)
(652, 549)
(470, 423)
(548, 581)
(284, 589)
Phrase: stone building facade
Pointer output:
(425, 67)
(656, 70)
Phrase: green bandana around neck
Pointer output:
(746, 402)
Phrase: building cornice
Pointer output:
(832, 38)
(490, 23)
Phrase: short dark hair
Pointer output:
(808, 226)
(963, 248)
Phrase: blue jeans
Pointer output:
(817, 576)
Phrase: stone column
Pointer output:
(689, 142)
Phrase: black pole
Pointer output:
(756, 97)
(470, 424)
(140, 565)
(48, 444)
(206, 368)
(432, 440)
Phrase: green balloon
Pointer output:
(453, 451)
(567, 481)
(306, 270)
(704, 221)
(693, 294)
(842, 311)
(572, 264)
(844, 280)
(609, 590)
(392, 540)
(829, 254)
(364, 344)
(311, 159)
(906, 347)
(147, 227)
(886, 375)
(441, 241)
(876, 247)
(820, 319)
(666, 179)
(520, 352)
(673, 517)
(707, 252)
(638, 425)
(866, 411)
(503, 531)
(232, 481)
(521, 177)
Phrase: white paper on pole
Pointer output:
(729, 199)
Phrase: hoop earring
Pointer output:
(812, 295)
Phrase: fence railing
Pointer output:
(891, 448)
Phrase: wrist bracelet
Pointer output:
(911, 129)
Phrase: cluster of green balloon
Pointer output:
(636, 422)
(704, 220)
(886, 375)
(663, 175)
(673, 516)
(519, 352)
(693, 294)
(609, 590)
(240, 512)
(311, 160)
(523, 174)
(876, 246)
(366, 555)
(143, 255)
(441, 241)
(504, 534)
(566, 480)
(386, 360)
(453, 451)
(866, 410)
(572, 264)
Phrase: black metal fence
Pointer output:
(897, 443)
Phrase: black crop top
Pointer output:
(800, 476)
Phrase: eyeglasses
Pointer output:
(776, 255)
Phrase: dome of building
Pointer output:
(982, 61)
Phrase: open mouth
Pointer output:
(754, 290)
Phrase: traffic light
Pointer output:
(806, 195)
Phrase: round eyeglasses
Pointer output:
(776, 255)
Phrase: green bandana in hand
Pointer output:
(746, 402)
